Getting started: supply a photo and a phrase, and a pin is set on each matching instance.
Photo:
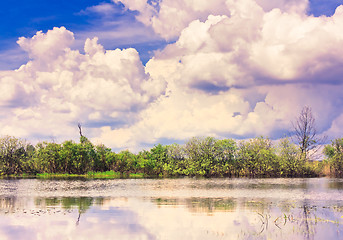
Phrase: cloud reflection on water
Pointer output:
(149, 215)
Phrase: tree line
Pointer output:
(199, 156)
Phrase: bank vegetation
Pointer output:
(198, 157)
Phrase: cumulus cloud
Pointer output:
(169, 17)
(45, 47)
(296, 47)
(60, 86)
(236, 69)
(243, 74)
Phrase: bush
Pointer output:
(257, 158)
(291, 163)
(334, 152)
(14, 156)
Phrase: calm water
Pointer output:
(172, 209)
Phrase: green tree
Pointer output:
(47, 158)
(257, 158)
(200, 156)
(155, 161)
(176, 161)
(12, 155)
(100, 161)
(291, 163)
(69, 155)
(111, 160)
(334, 153)
(126, 162)
(224, 158)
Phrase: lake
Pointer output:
(171, 209)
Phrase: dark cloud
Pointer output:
(209, 87)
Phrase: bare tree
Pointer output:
(80, 130)
(305, 133)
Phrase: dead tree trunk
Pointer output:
(79, 126)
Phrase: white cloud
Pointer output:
(293, 46)
(243, 75)
(45, 47)
(60, 87)
(172, 16)
(169, 17)
(237, 69)
(103, 8)
(335, 130)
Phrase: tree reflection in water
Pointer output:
(258, 219)
(156, 210)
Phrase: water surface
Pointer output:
(171, 209)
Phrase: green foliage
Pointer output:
(291, 162)
(334, 152)
(75, 158)
(125, 162)
(176, 162)
(257, 158)
(154, 162)
(206, 157)
(314, 168)
(199, 157)
(224, 158)
(47, 158)
(200, 153)
(110, 160)
(101, 158)
(14, 156)
(71, 158)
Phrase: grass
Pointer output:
(136, 175)
(107, 174)
(92, 175)
(58, 175)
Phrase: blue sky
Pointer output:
(185, 68)
(24, 18)
(323, 7)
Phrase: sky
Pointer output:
(137, 73)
